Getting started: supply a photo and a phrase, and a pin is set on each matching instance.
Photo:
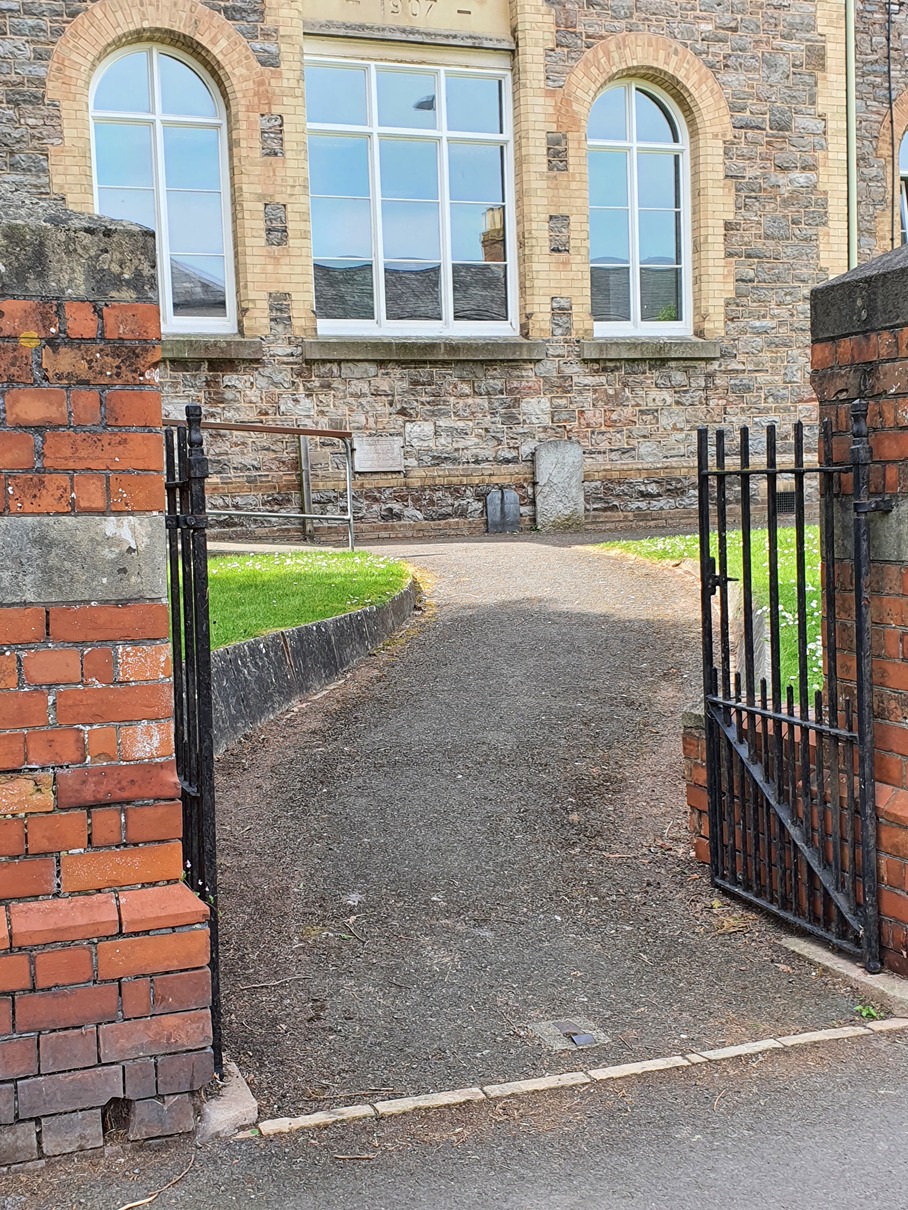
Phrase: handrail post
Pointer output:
(306, 488)
(348, 460)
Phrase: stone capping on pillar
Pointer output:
(104, 981)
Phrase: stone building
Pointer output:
(473, 224)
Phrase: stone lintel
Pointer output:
(650, 348)
(211, 348)
(502, 348)
(397, 33)
(62, 559)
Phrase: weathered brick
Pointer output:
(26, 793)
(19, 1057)
(117, 783)
(94, 364)
(139, 1079)
(15, 363)
(68, 1091)
(15, 972)
(55, 746)
(7, 1104)
(69, 1132)
(161, 907)
(103, 451)
(114, 704)
(132, 321)
(38, 406)
(71, 1050)
(90, 493)
(166, 1034)
(149, 662)
(97, 665)
(154, 1118)
(106, 827)
(12, 755)
(86, 407)
(125, 957)
(134, 409)
(58, 968)
(164, 821)
(18, 1143)
(66, 1008)
(81, 320)
(12, 837)
(23, 879)
(52, 666)
(17, 452)
(186, 1072)
(57, 832)
(28, 707)
(55, 920)
(99, 623)
(19, 316)
(135, 996)
(21, 625)
(136, 494)
(95, 871)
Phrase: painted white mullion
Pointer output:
(634, 207)
(446, 248)
(510, 193)
(165, 284)
(378, 251)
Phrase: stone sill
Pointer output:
(650, 348)
(211, 348)
(502, 348)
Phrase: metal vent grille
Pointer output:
(785, 504)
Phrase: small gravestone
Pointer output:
(502, 511)
(559, 485)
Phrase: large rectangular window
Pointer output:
(411, 190)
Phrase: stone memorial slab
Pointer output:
(373, 455)
(502, 511)
(559, 485)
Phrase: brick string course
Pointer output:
(104, 986)
(873, 366)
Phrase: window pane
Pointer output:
(123, 154)
(659, 237)
(476, 172)
(611, 293)
(477, 232)
(338, 167)
(903, 156)
(124, 87)
(137, 205)
(336, 95)
(412, 291)
(654, 124)
(183, 91)
(608, 178)
(198, 284)
(658, 180)
(474, 104)
(608, 117)
(407, 99)
(660, 295)
(195, 222)
(341, 227)
(409, 168)
(480, 292)
(192, 157)
(344, 290)
(410, 230)
(609, 237)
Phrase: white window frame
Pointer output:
(157, 120)
(447, 326)
(636, 326)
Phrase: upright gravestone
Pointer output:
(559, 485)
(503, 511)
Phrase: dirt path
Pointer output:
(484, 828)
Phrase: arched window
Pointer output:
(159, 159)
(639, 213)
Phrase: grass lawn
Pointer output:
(685, 546)
(251, 595)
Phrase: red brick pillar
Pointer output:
(860, 350)
(104, 987)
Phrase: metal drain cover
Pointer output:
(571, 1033)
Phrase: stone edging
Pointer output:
(256, 680)
(491, 1092)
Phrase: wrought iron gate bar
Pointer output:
(792, 823)
(186, 469)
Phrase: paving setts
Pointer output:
(568, 1079)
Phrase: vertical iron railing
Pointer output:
(186, 469)
(792, 823)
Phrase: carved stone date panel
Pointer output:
(489, 17)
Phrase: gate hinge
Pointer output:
(879, 504)
(716, 581)
(186, 521)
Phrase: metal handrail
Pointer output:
(345, 436)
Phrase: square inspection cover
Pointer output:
(571, 1033)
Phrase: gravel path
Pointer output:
(482, 828)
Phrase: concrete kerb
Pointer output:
(569, 1079)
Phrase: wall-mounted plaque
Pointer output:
(373, 455)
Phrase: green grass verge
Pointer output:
(251, 595)
(685, 546)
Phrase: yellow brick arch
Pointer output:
(699, 96)
(248, 89)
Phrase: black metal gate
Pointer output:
(186, 469)
(789, 720)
